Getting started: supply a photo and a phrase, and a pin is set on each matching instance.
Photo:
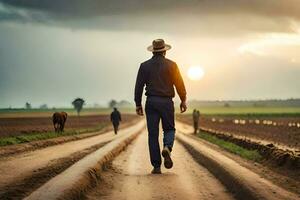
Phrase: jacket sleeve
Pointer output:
(179, 84)
(139, 87)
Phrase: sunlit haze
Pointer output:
(53, 54)
(195, 73)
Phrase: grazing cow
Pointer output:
(59, 119)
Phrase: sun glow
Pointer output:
(195, 73)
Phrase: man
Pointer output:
(115, 118)
(160, 75)
(196, 116)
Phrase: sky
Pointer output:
(53, 51)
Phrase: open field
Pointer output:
(279, 130)
(27, 125)
(248, 110)
(6, 113)
(207, 110)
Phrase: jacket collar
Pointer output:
(158, 56)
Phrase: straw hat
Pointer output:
(158, 45)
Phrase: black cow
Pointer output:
(59, 119)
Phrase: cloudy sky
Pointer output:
(52, 51)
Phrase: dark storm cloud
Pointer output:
(83, 8)
(167, 15)
(8, 13)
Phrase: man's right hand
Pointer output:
(183, 107)
(139, 110)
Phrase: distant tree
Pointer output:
(226, 105)
(112, 103)
(43, 106)
(27, 105)
(78, 104)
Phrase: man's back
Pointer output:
(159, 75)
(115, 116)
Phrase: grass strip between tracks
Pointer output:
(231, 147)
(11, 140)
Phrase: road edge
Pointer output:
(241, 182)
(74, 182)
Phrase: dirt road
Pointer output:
(129, 177)
(22, 170)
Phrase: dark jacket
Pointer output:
(160, 75)
(115, 116)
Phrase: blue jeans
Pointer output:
(159, 108)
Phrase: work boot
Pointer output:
(156, 170)
(167, 156)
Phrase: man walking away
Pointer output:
(160, 75)
(115, 118)
(196, 116)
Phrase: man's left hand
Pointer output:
(139, 110)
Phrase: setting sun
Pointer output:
(195, 73)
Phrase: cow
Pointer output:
(59, 119)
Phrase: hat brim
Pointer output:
(166, 48)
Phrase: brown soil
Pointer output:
(22, 188)
(279, 132)
(34, 145)
(29, 167)
(24, 125)
(129, 177)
